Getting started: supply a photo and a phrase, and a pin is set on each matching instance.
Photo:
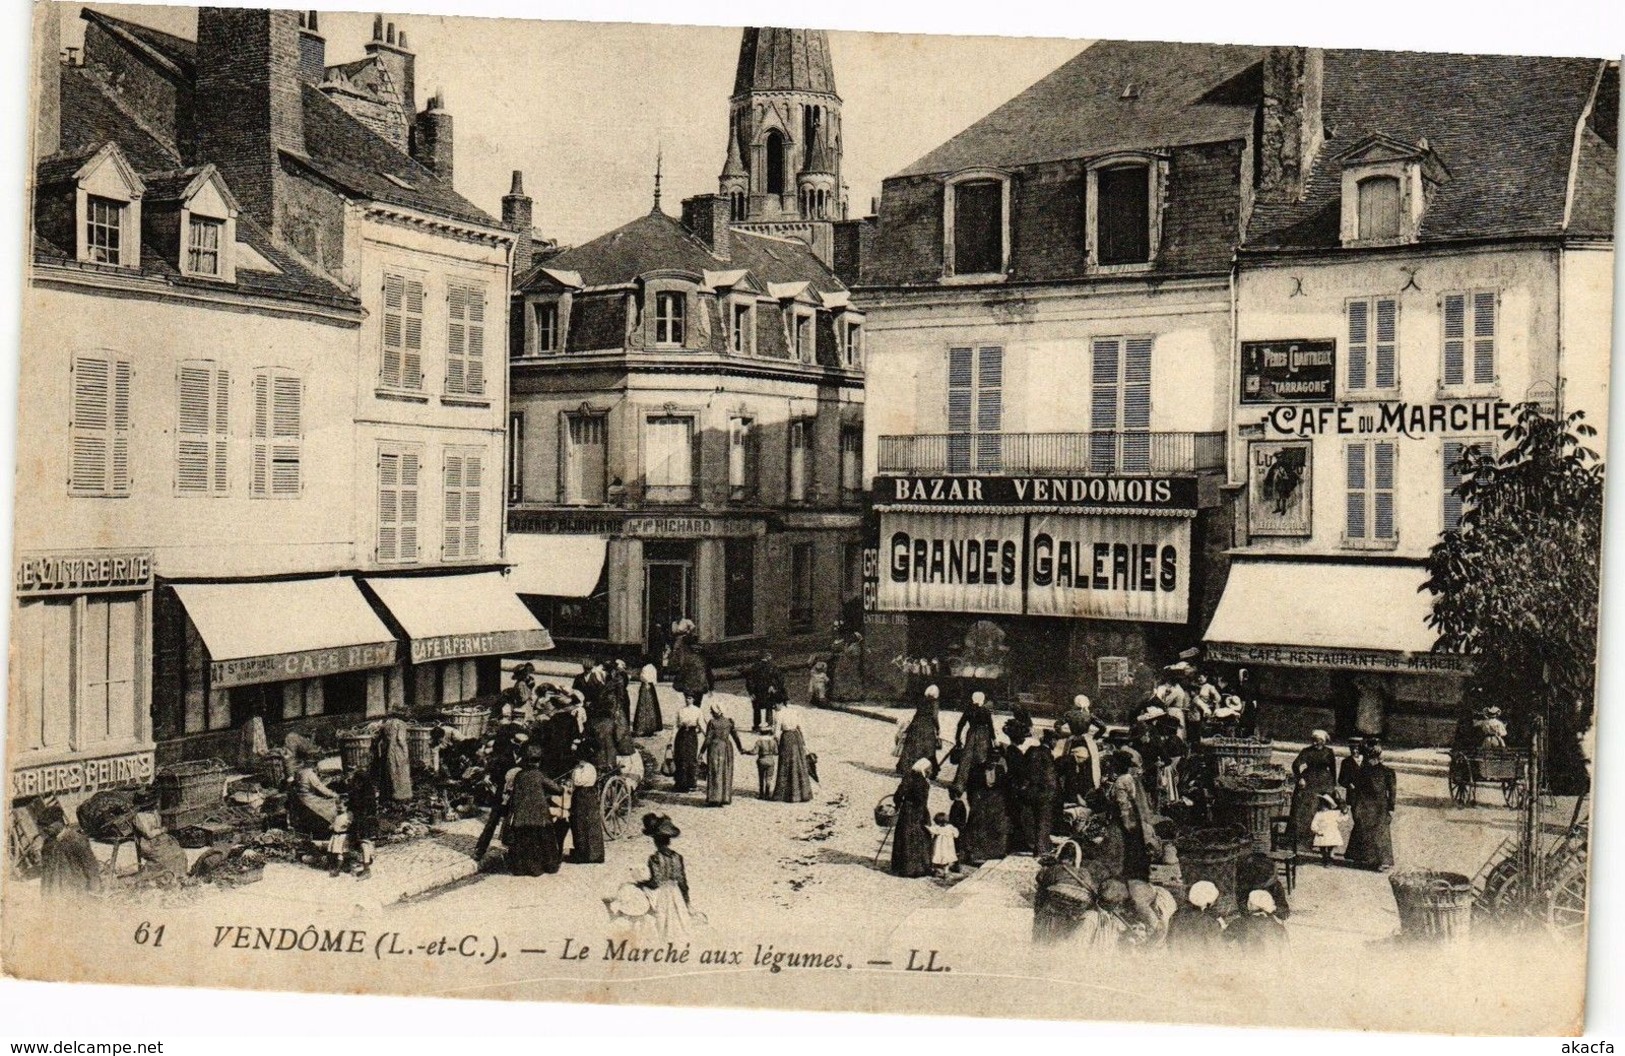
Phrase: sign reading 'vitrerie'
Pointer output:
(84, 573)
(1150, 493)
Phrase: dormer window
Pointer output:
(1386, 186)
(1378, 208)
(206, 225)
(104, 230)
(1123, 212)
(547, 328)
(803, 344)
(671, 317)
(976, 226)
(203, 241)
(741, 328)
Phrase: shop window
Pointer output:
(1370, 514)
(801, 587)
(303, 699)
(75, 675)
(977, 226)
(460, 524)
(278, 434)
(99, 432)
(1379, 208)
(42, 681)
(202, 428)
(799, 458)
(516, 456)
(851, 463)
(1373, 345)
(465, 339)
(743, 472)
(402, 333)
(586, 458)
(1120, 405)
(975, 409)
(398, 470)
(1469, 338)
(671, 316)
(104, 230)
(739, 590)
(670, 458)
(547, 328)
(203, 246)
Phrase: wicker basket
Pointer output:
(188, 785)
(355, 748)
(1238, 755)
(468, 722)
(885, 812)
(1433, 906)
(1211, 855)
(420, 746)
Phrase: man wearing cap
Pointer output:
(764, 684)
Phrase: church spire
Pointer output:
(659, 152)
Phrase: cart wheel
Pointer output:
(1461, 781)
(617, 807)
(1501, 886)
(1512, 793)
(1566, 905)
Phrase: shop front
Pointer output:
(1338, 645)
(300, 655)
(78, 715)
(457, 629)
(1037, 589)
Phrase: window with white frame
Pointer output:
(548, 338)
(279, 397)
(202, 428)
(671, 317)
(402, 333)
(104, 229)
(742, 458)
(799, 459)
(1373, 345)
(462, 479)
(669, 458)
(1120, 405)
(399, 468)
(586, 458)
(1470, 324)
(1454, 451)
(803, 338)
(976, 225)
(975, 409)
(204, 243)
(741, 328)
(852, 344)
(465, 339)
(99, 426)
(1369, 513)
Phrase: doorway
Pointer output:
(666, 592)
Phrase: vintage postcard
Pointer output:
(758, 517)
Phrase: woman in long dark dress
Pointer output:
(986, 833)
(617, 689)
(794, 784)
(973, 738)
(1371, 844)
(721, 738)
(911, 841)
(1042, 787)
(1314, 774)
(586, 815)
(685, 748)
(1133, 810)
(668, 881)
(919, 737)
(533, 844)
(647, 721)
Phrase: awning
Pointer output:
(456, 616)
(556, 566)
(1349, 615)
(277, 632)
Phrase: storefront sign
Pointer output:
(77, 776)
(636, 527)
(1288, 371)
(1392, 418)
(871, 578)
(1278, 487)
(491, 643)
(84, 573)
(1113, 672)
(286, 667)
(1129, 568)
(1338, 659)
(1150, 493)
(541, 523)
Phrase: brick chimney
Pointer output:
(1291, 133)
(706, 217)
(516, 217)
(431, 138)
(47, 83)
(249, 101)
(312, 49)
(389, 47)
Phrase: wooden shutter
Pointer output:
(412, 362)
(1454, 307)
(1136, 417)
(91, 426)
(287, 432)
(409, 506)
(471, 504)
(194, 442)
(1104, 396)
(389, 506)
(119, 463)
(1452, 480)
(222, 431)
(1359, 343)
(1355, 526)
(394, 331)
(474, 305)
(1385, 348)
(456, 338)
(453, 519)
(260, 482)
(1383, 454)
(989, 408)
(1484, 305)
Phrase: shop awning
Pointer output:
(1350, 615)
(447, 617)
(277, 632)
(556, 566)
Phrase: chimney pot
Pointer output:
(389, 33)
(518, 185)
(402, 40)
(377, 27)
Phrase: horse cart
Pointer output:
(1499, 767)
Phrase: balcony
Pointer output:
(998, 454)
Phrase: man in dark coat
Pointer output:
(911, 840)
(764, 683)
(1041, 786)
(693, 677)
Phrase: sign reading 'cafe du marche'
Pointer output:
(1392, 418)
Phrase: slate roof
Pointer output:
(178, 51)
(91, 117)
(656, 242)
(1079, 111)
(794, 60)
(1503, 125)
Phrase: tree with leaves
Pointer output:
(1516, 584)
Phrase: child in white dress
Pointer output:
(944, 848)
(1327, 829)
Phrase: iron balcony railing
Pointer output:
(1099, 451)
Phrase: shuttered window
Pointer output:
(202, 429)
(99, 429)
(1373, 348)
(465, 340)
(1470, 323)
(800, 445)
(1379, 207)
(586, 462)
(1120, 405)
(398, 504)
(669, 458)
(742, 472)
(279, 398)
(403, 333)
(461, 524)
(1370, 514)
(851, 462)
(1453, 451)
(975, 408)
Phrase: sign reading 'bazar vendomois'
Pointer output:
(1109, 492)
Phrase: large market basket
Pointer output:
(1211, 855)
(1433, 905)
(1237, 755)
(192, 784)
(355, 747)
(1250, 801)
(420, 746)
(466, 721)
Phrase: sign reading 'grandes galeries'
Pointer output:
(1124, 568)
(1147, 493)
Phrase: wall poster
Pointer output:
(1278, 488)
